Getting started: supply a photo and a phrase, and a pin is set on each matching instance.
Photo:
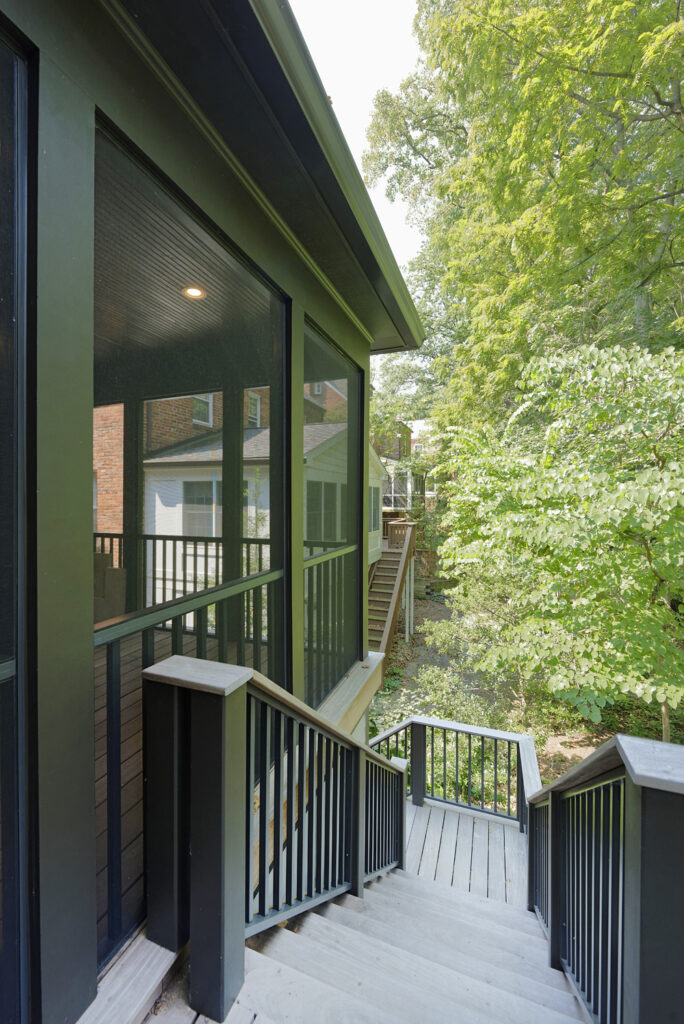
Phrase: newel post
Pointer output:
(202, 777)
(402, 764)
(418, 733)
(358, 830)
(653, 940)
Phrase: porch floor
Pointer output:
(468, 850)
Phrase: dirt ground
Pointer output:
(560, 752)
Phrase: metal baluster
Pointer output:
(312, 822)
(496, 770)
(290, 885)
(114, 882)
(508, 783)
(201, 625)
(302, 840)
(252, 711)
(257, 627)
(432, 761)
(278, 741)
(470, 768)
(264, 807)
(457, 781)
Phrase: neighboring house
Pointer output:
(187, 246)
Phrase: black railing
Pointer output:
(331, 620)
(275, 792)
(468, 766)
(236, 623)
(605, 849)
(177, 565)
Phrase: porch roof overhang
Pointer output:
(246, 67)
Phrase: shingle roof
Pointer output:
(256, 446)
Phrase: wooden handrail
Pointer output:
(395, 602)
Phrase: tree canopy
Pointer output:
(540, 145)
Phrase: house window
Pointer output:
(203, 410)
(373, 509)
(318, 388)
(253, 411)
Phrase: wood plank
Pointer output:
(496, 876)
(515, 851)
(464, 853)
(414, 849)
(131, 986)
(480, 859)
(410, 815)
(447, 851)
(433, 838)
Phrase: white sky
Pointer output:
(359, 47)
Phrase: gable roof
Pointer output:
(208, 448)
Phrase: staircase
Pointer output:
(411, 950)
(382, 587)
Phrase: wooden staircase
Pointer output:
(380, 593)
(411, 950)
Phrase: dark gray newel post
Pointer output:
(195, 833)
(417, 763)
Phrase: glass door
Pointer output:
(11, 304)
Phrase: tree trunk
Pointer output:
(665, 713)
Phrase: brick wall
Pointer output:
(108, 467)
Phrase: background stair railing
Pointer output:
(468, 766)
(606, 854)
(259, 787)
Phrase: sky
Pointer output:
(359, 47)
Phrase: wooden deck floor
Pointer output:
(470, 851)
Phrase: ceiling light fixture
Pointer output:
(193, 292)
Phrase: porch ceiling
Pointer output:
(245, 63)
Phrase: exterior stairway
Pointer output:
(411, 951)
(382, 588)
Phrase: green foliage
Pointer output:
(566, 532)
(541, 147)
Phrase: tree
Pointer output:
(541, 146)
(566, 530)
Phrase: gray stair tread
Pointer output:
(386, 992)
(500, 932)
(494, 909)
(456, 982)
(285, 994)
(540, 985)
(447, 939)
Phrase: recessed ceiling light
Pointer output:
(193, 292)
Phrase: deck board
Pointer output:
(469, 851)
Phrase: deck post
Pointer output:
(218, 766)
(531, 857)
(417, 763)
(402, 764)
(165, 712)
(653, 905)
(358, 835)
(556, 876)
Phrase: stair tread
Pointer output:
(386, 992)
(438, 934)
(454, 981)
(522, 919)
(538, 985)
(502, 933)
(289, 996)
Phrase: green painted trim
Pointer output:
(328, 556)
(66, 937)
(138, 621)
(286, 41)
(142, 46)
(297, 496)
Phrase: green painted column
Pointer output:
(296, 516)
(63, 651)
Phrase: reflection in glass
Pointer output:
(187, 483)
(332, 468)
(188, 402)
(9, 346)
